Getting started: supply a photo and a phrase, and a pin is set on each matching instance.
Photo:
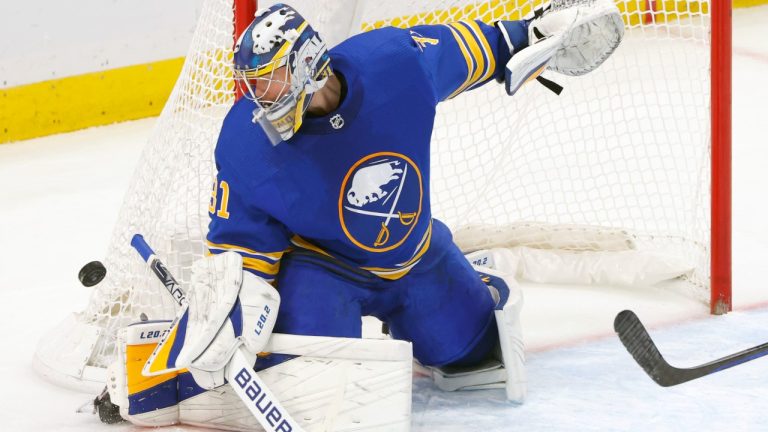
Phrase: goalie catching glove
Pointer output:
(226, 308)
(571, 37)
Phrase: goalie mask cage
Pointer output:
(640, 147)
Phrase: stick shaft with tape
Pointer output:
(158, 268)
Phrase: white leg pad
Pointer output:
(137, 340)
(334, 384)
(502, 266)
(506, 370)
(512, 346)
(325, 383)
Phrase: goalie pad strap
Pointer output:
(551, 85)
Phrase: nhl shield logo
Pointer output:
(337, 121)
(380, 201)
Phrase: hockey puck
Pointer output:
(92, 273)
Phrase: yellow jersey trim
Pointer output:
(465, 53)
(474, 49)
(241, 249)
(261, 266)
(486, 48)
(300, 242)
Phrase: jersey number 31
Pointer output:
(222, 213)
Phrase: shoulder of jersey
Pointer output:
(382, 59)
(384, 43)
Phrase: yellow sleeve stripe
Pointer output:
(481, 63)
(242, 250)
(474, 48)
(261, 266)
(486, 47)
(470, 66)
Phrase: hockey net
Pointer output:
(623, 153)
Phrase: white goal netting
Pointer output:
(626, 148)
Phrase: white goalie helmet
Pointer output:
(280, 61)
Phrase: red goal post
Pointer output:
(721, 117)
(242, 12)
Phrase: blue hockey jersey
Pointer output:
(353, 184)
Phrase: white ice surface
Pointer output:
(61, 195)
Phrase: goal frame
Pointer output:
(721, 64)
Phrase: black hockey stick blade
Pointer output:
(638, 342)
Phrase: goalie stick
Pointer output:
(254, 393)
(638, 342)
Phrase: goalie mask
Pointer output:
(280, 62)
